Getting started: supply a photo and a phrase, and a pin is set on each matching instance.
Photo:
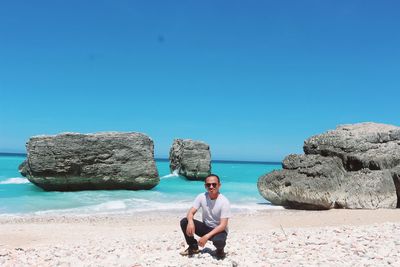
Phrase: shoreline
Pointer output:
(273, 237)
(173, 208)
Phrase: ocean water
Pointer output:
(239, 183)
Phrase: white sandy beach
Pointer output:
(269, 238)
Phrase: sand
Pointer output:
(267, 238)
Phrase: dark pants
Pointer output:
(219, 240)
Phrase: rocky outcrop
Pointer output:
(355, 166)
(73, 161)
(365, 145)
(191, 158)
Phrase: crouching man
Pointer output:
(215, 213)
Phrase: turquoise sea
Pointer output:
(239, 183)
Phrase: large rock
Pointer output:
(191, 159)
(72, 161)
(364, 145)
(355, 166)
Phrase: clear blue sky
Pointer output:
(251, 78)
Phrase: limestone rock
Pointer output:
(306, 184)
(355, 166)
(366, 189)
(191, 158)
(73, 161)
(364, 145)
(396, 179)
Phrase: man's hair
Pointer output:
(213, 175)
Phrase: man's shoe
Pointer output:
(190, 251)
(220, 254)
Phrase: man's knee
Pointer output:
(184, 223)
(219, 240)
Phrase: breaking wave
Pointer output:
(173, 174)
(16, 180)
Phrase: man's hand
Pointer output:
(190, 229)
(221, 227)
(203, 240)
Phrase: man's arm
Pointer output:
(190, 229)
(221, 227)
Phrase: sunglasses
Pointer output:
(211, 184)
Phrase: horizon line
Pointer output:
(167, 159)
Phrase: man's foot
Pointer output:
(220, 254)
(190, 251)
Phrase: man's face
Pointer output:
(212, 184)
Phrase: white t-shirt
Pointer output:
(213, 210)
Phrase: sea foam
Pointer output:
(15, 180)
(173, 174)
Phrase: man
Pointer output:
(216, 212)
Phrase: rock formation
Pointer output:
(191, 158)
(355, 166)
(73, 161)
